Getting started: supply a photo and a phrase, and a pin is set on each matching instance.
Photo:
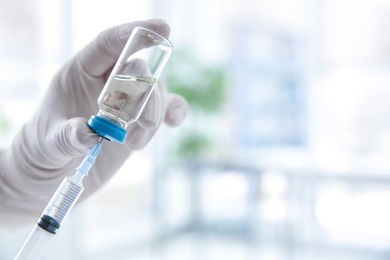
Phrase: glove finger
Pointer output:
(74, 137)
(151, 115)
(138, 137)
(140, 132)
(177, 109)
(100, 55)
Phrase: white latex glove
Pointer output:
(53, 143)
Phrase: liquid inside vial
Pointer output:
(125, 98)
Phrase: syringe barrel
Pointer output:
(61, 203)
(35, 244)
(54, 214)
(57, 209)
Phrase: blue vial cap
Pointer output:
(107, 129)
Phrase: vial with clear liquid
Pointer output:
(125, 99)
(131, 83)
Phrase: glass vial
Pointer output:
(131, 83)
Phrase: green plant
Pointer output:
(4, 124)
(203, 85)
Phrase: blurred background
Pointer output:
(284, 154)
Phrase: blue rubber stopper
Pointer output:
(107, 129)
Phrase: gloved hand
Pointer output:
(54, 142)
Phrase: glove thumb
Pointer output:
(74, 138)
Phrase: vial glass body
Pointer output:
(133, 78)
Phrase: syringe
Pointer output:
(57, 209)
